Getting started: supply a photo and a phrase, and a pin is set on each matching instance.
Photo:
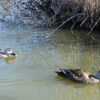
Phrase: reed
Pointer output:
(65, 9)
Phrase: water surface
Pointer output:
(31, 76)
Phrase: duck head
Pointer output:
(98, 75)
(9, 52)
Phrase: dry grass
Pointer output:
(68, 8)
(64, 10)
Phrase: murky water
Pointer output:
(31, 76)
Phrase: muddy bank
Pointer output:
(81, 14)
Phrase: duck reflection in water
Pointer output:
(10, 60)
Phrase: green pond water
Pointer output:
(31, 75)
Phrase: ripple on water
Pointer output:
(32, 73)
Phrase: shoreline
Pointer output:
(67, 14)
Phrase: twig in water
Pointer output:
(63, 24)
(94, 25)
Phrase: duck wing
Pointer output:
(74, 74)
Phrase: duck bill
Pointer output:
(13, 54)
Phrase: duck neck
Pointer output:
(96, 77)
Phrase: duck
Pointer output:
(79, 75)
(6, 53)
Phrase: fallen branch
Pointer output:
(63, 24)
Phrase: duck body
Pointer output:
(3, 55)
(79, 75)
(6, 53)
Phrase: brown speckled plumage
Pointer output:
(78, 75)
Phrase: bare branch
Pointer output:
(84, 21)
(94, 25)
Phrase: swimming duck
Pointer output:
(6, 53)
(79, 75)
